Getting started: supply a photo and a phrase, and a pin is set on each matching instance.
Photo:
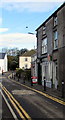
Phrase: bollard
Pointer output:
(14, 76)
(44, 84)
(62, 89)
(18, 77)
(31, 82)
(24, 79)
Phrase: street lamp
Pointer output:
(33, 34)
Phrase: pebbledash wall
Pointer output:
(51, 49)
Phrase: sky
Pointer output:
(19, 17)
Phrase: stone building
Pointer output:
(51, 49)
(34, 65)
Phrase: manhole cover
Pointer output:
(23, 92)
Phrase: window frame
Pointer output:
(55, 20)
(44, 45)
(26, 59)
(55, 39)
(26, 66)
(44, 30)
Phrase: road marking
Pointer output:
(44, 94)
(13, 100)
(2, 77)
(10, 108)
(23, 92)
(21, 115)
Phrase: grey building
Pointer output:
(51, 49)
(34, 65)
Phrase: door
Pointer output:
(39, 74)
(56, 75)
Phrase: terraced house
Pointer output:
(51, 49)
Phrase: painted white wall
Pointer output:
(3, 64)
(22, 62)
(48, 73)
(55, 81)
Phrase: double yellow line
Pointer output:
(42, 93)
(22, 113)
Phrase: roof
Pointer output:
(29, 53)
(2, 55)
(51, 15)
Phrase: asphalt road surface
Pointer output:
(24, 103)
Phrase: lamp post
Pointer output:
(34, 35)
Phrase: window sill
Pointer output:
(44, 53)
(55, 27)
(55, 49)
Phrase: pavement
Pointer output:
(50, 91)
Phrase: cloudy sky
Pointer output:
(18, 17)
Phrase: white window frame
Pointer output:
(44, 45)
(44, 30)
(55, 39)
(55, 21)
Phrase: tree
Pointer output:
(12, 62)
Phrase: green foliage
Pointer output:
(19, 71)
(26, 73)
(12, 62)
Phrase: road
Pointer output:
(24, 103)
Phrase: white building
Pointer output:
(3, 62)
(25, 60)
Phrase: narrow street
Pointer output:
(27, 104)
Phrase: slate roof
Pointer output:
(29, 53)
(2, 55)
(51, 16)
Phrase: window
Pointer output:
(55, 20)
(26, 66)
(44, 45)
(44, 30)
(55, 40)
(26, 59)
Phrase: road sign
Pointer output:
(34, 79)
